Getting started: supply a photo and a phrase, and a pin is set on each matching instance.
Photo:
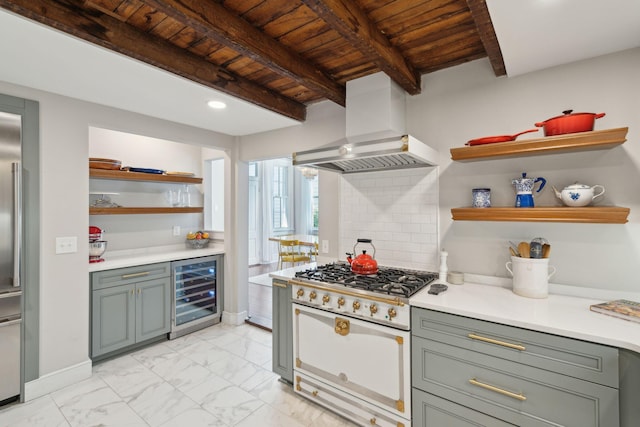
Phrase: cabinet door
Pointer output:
(282, 330)
(113, 325)
(153, 308)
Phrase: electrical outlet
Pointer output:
(66, 245)
(325, 246)
(176, 230)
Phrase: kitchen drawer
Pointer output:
(360, 412)
(520, 394)
(122, 276)
(580, 359)
(432, 411)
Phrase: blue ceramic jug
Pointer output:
(524, 190)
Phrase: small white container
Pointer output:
(530, 276)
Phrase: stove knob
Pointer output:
(392, 313)
(300, 292)
(356, 306)
(373, 309)
(325, 299)
(312, 296)
(340, 302)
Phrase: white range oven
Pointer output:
(351, 341)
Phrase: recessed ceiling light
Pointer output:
(218, 105)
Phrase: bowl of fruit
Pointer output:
(197, 239)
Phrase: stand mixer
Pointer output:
(97, 246)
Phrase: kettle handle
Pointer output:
(369, 241)
(540, 179)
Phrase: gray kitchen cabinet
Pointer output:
(129, 306)
(510, 375)
(282, 330)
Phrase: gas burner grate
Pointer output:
(390, 281)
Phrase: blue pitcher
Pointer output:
(525, 188)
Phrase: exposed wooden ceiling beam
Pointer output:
(110, 33)
(216, 22)
(480, 14)
(350, 21)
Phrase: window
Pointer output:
(282, 202)
(314, 203)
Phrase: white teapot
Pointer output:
(577, 195)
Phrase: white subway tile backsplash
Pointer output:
(398, 210)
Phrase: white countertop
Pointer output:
(566, 315)
(557, 314)
(151, 255)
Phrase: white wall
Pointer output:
(467, 102)
(64, 287)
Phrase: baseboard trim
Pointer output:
(234, 318)
(56, 380)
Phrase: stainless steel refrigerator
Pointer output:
(11, 232)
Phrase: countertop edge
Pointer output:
(153, 255)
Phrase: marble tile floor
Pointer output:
(219, 376)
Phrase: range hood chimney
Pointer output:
(376, 137)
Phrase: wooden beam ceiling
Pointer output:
(351, 22)
(111, 33)
(480, 14)
(216, 22)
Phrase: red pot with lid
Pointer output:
(363, 263)
(569, 122)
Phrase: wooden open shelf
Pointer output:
(139, 176)
(587, 214)
(582, 141)
(142, 210)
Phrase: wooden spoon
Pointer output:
(523, 249)
(513, 252)
(546, 249)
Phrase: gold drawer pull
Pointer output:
(279, 285)
(492, 341)
(516, 396)
(129, 276)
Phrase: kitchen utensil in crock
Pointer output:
(546, 250)
(578, 195)
(524, 250)
(498, 138)
(569, 123)
(514, 247)
(363, 263)
(524, 190)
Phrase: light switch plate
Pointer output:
(325, 246)
(66, 245)
(176, 230)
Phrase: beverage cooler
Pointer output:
(197, 294)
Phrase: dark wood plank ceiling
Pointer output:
(281, 54)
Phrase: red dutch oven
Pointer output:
(569, 123)
(363, 263)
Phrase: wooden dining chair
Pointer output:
(290, 252)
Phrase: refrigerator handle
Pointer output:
(16, 169)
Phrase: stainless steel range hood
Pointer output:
(383, 154)
(376, 137)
